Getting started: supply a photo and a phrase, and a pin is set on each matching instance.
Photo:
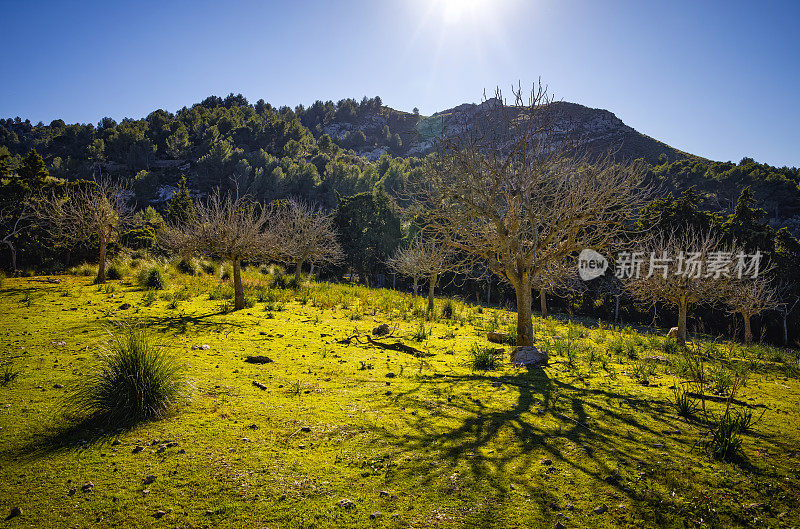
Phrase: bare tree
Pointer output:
(750, 297)
(556, 276)
(303, 233)
(82, 212)
(674, 268)
(14, 220)
(511, 188)
(231, 228)
(423, 258)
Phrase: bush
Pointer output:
(484, 358)
(136, 381)
(151, 278)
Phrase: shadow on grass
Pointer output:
(71, 434)
(594, 434)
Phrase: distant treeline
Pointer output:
(272, 153)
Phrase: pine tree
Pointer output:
(180, 208)
(33, 172)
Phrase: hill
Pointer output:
(328, 150)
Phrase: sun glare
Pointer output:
(457, 11)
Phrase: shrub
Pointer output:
(136, 381)
(151, 278)
(484, 358)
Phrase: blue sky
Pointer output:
(717, 79)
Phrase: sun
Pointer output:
(458, 11)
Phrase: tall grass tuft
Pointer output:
(136, 381)
(484, 358)
(151, 278)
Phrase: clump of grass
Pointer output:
(7, 375)
(222, 291)
(226, 272)
(724, 442)
(484, 358)
(684, 403)
(149, 298)
(723, 380)
(209, 267)
(136, 381)
(151, 278)
(448, 309)
(421, 333)
(114, 272)
(84, 269)
(187, 266)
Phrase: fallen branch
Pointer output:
(399, 346)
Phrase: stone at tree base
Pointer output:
(529, 355)
(497, 337)
(672, 334)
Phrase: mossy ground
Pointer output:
(438, 444)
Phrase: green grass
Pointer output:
(450, 446)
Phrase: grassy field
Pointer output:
(594, 440)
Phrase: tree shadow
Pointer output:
(595, 432)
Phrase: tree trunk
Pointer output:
(431, 286)
(298, 269)
(543, 302)
(394, 281)
(683, 307)
(311, 273)
(785, 329)
(238, 297)
(524, 291)
(13, 255)
(748, 333)
(489, 291)
(616, 309)
(101, 266)
(416, 287)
